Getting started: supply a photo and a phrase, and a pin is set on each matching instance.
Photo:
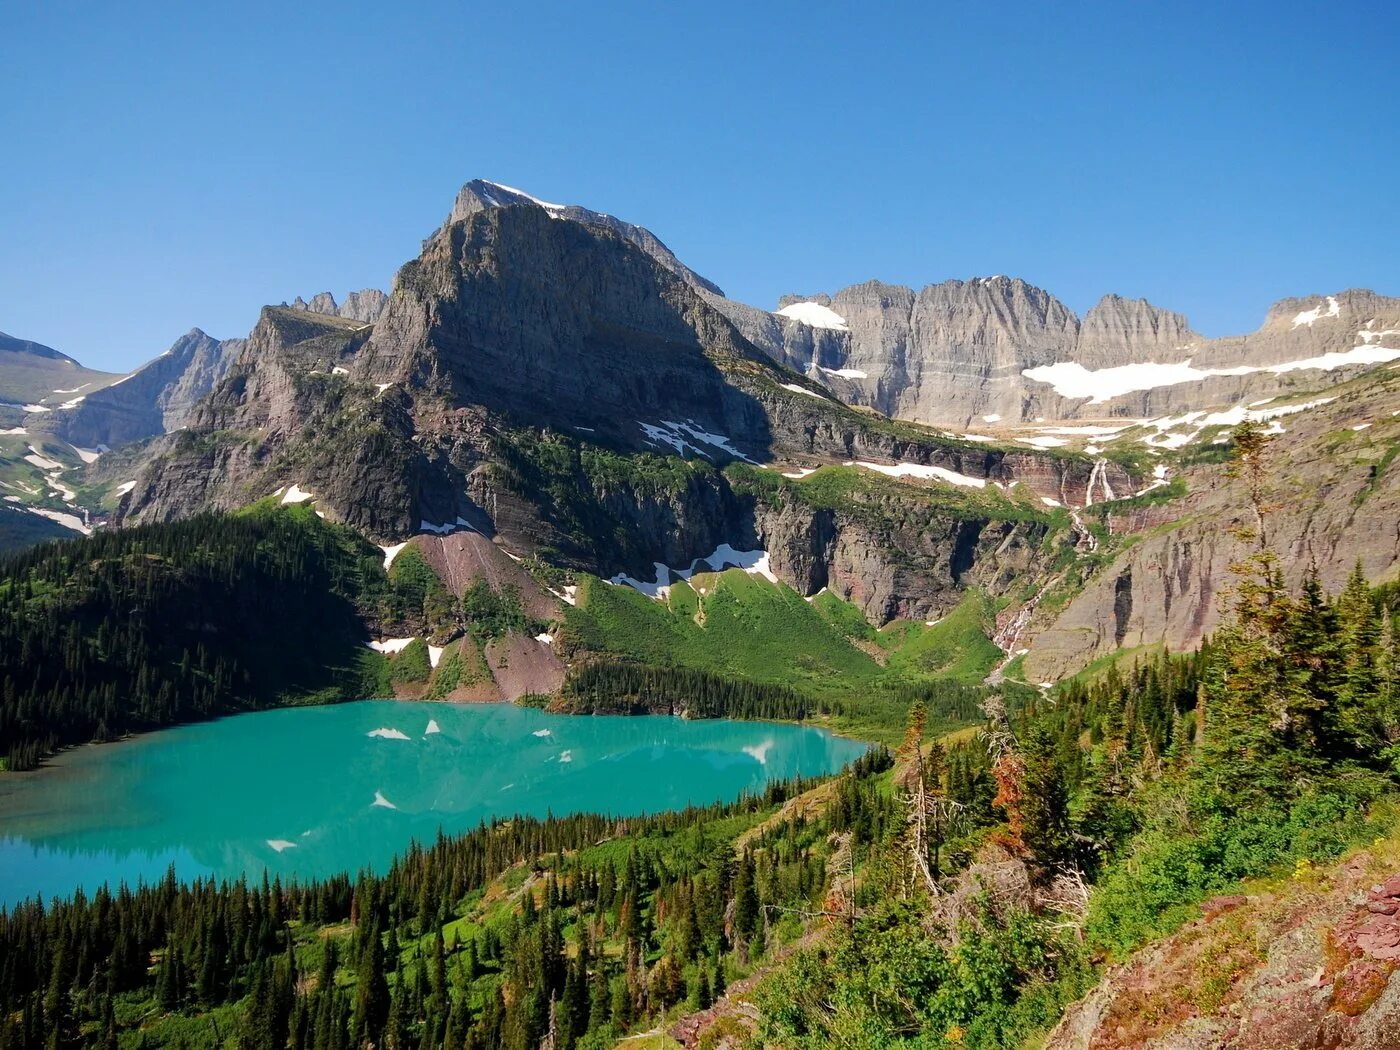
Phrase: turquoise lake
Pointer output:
(307, 792)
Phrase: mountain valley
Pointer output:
(1107, 607)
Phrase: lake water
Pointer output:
(312, 791)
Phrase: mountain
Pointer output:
(557, 379)
(480, 195)
(32, 374)
(154, 399)
(551, 383)
(555, 466)
(365, 305)
(961, 353)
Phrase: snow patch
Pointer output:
(919, 470)
(803, 390)
(296, 494)
(390, 645)
(681, 436)
(41, 461)
(1176, 431)
(1044, 441)
(754, 562)
(435, 654)
(1073, 380)
(443, 530)
(844, 373)
(125, 487)
(816, 315)
(68, 521)
(391, 552)
(993, 418)
(1331, 308)
(544, 639)
(338, 371)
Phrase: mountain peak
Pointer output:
(480, 195)
(365, 305)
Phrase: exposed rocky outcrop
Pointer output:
(1333, 502)
(956, 353)
(516, 324)
(286, 414)
(1306, 964)
(900, 560)
(154, 399)
(365, 305)
(480, 195)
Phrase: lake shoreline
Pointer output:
(308, 792)
(48, 762)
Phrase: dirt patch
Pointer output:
(460, 559)
(524, 665)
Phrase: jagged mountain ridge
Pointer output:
(958, 352)
(154, 399)
(512, 323)
(524, 316)
(365, 305)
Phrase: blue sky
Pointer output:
(168, 166)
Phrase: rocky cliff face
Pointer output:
(515, 326)
(365, 305)
(1117, 331)
(154, 399)
(1333, 501)
(480, 195)
(958, 353)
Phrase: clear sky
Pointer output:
(171, 165)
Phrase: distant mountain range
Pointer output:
(557, 380)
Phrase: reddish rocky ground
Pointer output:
(1304, 962)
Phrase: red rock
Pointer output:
(1219, 905)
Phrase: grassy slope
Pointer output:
(736, 624)
(745, 627)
